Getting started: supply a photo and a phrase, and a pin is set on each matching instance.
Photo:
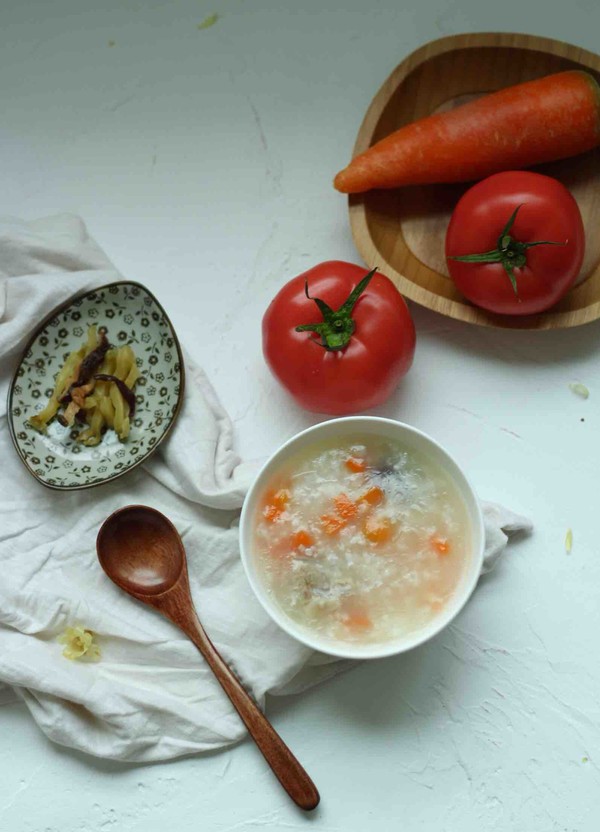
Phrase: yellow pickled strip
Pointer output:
(64, 379)
(107, 409)
(95, 429)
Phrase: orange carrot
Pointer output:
(275, 504)
(355, 464)
(271, 513)
(357, 620)
(302, 538)
(441, 545)
(373, 496)
(281, 498)
(538, 121)
(331, 524)
(345, 507)
(284, 547)
(377, 530)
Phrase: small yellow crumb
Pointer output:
(585, 759)
(569, 541)
(579, 390)
(208, 21)
(79, 644)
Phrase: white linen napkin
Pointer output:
(151, 696)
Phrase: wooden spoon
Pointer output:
(142, 552)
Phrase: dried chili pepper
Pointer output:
(90, 363)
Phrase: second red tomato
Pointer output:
(515, 243)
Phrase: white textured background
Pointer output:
(201, 160)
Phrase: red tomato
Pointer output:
(355, 343)
(514, 268)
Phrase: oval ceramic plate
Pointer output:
(131, 315)
(402, 231)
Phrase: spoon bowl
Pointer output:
(142, 553)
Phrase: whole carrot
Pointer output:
(537, 121)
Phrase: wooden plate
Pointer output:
(402, 231)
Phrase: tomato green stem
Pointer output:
(510, 252)
(337, 327)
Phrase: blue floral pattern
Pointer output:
(130, 314)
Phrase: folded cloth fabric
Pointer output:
(150, 697)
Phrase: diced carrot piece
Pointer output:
(271, 513)
(302, 538)
(281, 498)
(344, 506)
(373, 496)
(275, 503)
(331, 524)
(355, 464)
(441, 545)
(357, 620)
(377, 529)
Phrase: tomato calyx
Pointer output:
(511, 253)
(337, 327)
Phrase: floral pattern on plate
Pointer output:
(131, 315)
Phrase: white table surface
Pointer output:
(201, 160)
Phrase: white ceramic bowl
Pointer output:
(410, 438)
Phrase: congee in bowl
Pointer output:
(361, 541)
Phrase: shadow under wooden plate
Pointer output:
(402, 231)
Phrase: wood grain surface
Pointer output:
(402, 231)
(142, 553)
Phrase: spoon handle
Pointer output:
(286, 767)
